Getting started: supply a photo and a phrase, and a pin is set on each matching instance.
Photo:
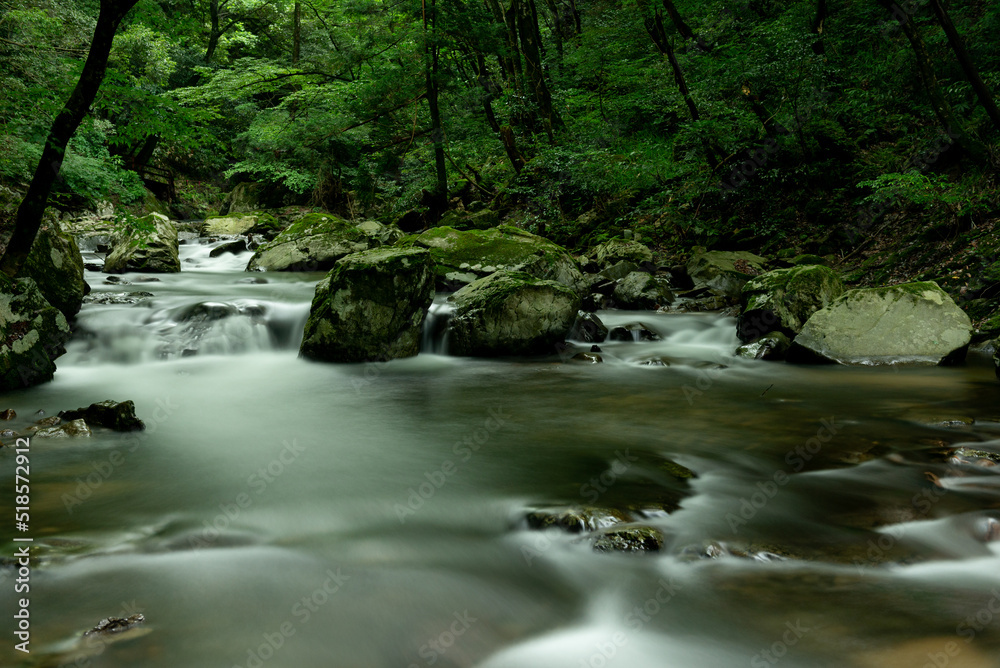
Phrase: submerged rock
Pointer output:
(317, 241)
(370, 307)
(137, 249)
(575, 519)
(460, 257)
(588, 328)
(782, 300)
(8, 414)
(113, 625)
(72, 428)
(510, 313)
(32, 334)
(633, 332)
(117, 415)
(908, 323)
(724, 272)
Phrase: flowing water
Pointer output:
(286, 513)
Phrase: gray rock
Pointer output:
(630, 540)
(56, 266)
(370, 307)
(782, 300)
(588, 328)
(642, 291)
(510, 313)
(317, 241)
(907, 323)
(32, 334)
(136, 249)
(772, 346)
(617, 250)
(724, 272)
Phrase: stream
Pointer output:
(287, 513)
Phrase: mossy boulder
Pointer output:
(510, 313)
(460, 257)
(724, 272)
(56, 266)
(370, 307)
(32, 334)
(618, 250)
(244, 198)
(782, 300)
(907, 323)
(466, 220)
(256, 222)
(149, 246)
(317, 241)
(642, 291)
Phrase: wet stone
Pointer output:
(8, 414)
(630, 539)
(111, 625)
(635, 331)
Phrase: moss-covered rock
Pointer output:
(618, 250)
(466, 220)
(510, 313)
(638, 539)
(724, 272)
(136, 249)
(56, 266)
(907, 323)
(462, 257)
(317, 241)
(32, 334)
(370, 307)
(257, 222)
(782, 300)
(642, 291)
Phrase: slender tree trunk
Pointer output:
(682, 28)
(296, 33)
(527, 28)
(29, 213)
(965, 60)
(945, 115)
(215, 33)
(440, 194)
(817, 27)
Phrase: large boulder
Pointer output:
(912, 322)
(244, 198)
(782, 300)
(724, 272)
(148, 245)
(510, 313)
(242, 223)
(32, 334)
(56, 266)
(370, 307)
(316, 241)
(461, 257)
(642, 291)
(618, 250)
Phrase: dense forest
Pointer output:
(862, 130)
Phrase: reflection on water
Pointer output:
(281, 512)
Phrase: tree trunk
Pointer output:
(216, 33)
(527, 28)
(439, 198)
(682, 28)
(943, 111)
(965, 60)
(29, 213)
(297, 33)
(817, 27)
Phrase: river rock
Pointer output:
(73, 428)
(587, 328)
(911, 322)
(632, 332)
(771, 346)
(136, 249)
(117, 415)
(241, 224)
(32, 334)
(575, 519)
(782, 300)
(629, 539)
(56, 266)
(113, 625)
(317, 241)
(617, 271)
(617, 250)
(642, 291)
(370, 307)
(8, 414)
(462, 257)
(724, 272)
(510, 313)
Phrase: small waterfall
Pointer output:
(435, 334)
